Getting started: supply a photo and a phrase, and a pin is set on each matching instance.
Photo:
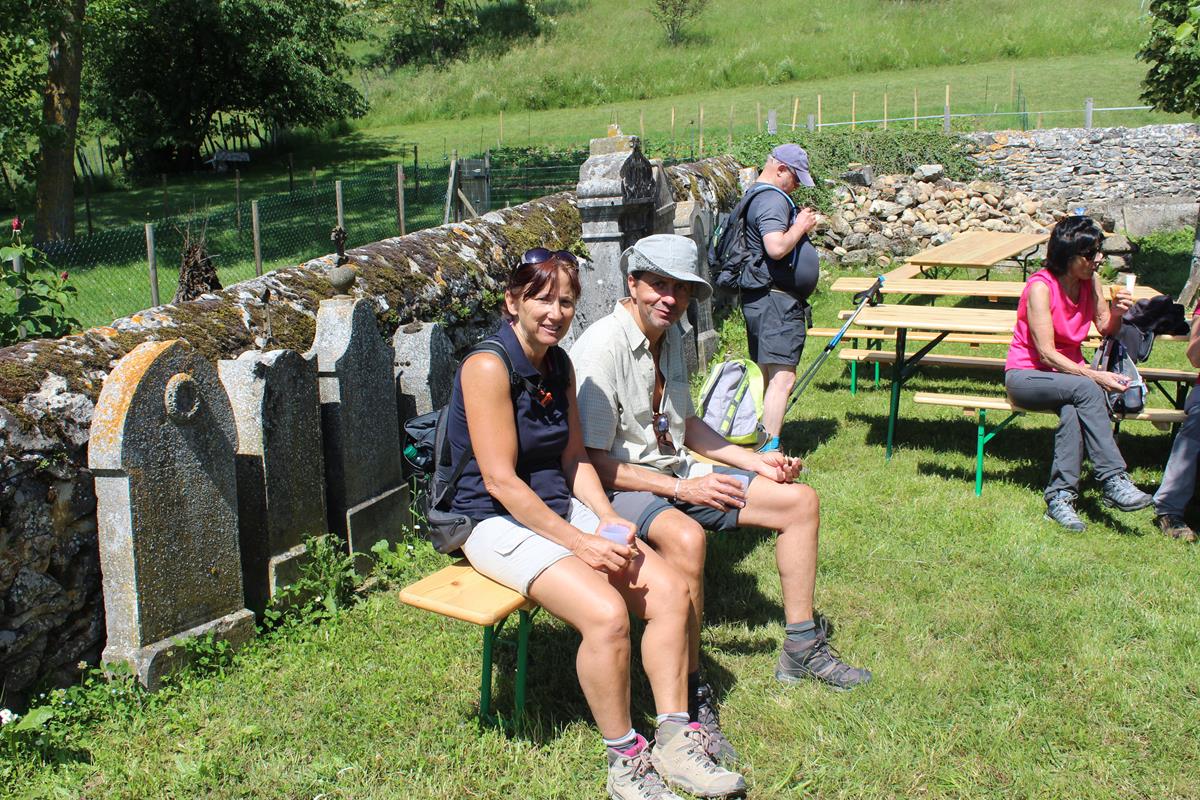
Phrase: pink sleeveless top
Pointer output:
(1072, 321)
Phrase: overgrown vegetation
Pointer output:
(672, 15)
(34, 303)
(1172, 49)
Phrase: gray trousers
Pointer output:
(1082, 421)
(1179, 478)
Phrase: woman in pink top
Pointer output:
(1046, 370)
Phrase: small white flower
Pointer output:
(7, 716)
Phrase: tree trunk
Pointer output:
(1193, 281)
(55, 214)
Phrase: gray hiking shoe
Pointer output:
(718, 747)
(819, 661)
(681, 758)
(631, 775)
(1175, 527)
(1120, 492)
(1061, 509)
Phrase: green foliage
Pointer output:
(34, 303)
(325, 587)
(674, 14)
(436, 32)
(515, 157)
(408, 560)
(158, 72)
(23, 54)
(1172, 49)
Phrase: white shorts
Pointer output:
(510, 554)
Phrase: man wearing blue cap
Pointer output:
(782, 274)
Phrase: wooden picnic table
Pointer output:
(990, 290)
(937, 320)
(980, 250)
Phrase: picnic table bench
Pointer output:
(993, 291)
(459, 592)
(980, 405)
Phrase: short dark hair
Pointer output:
(1072, 236)
(529, 280)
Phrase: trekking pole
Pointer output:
(867, 297)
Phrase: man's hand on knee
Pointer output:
(714, 490)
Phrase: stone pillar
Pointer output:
(367, 501)
(280, 466)
(694, 220)
(616, 197)
(664, 201)
(424, 368)
(162, 452)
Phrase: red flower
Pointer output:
(16, 225)
(63, 275)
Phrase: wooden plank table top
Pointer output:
(935, 318)
(978, 249)
(990, 290)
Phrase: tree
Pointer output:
(54, 217)
(1172, 49)
(41, 46)
(160, 71)
(672, 14)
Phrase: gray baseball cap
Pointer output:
(793, 156)
(671, 255)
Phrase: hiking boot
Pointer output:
(1061, 509)
(1175, 527)
(818, 661)
(681, 758)
(718, 747)
(1120, 492)
(631, 775)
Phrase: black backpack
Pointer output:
(728, 254)
(427, 460)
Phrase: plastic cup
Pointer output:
(617, 534)
(1130, 282)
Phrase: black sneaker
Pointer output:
(1119, 492)
(1060, 508)
(821, 662)
(717, 746)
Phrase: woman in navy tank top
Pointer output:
(544, 527)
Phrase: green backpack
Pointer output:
(731, 400)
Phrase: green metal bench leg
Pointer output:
(523, 628)
(485, 680)
(982, 439)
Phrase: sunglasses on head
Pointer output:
(540, 255)
(1090, 255)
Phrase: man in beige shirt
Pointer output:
(640, 428)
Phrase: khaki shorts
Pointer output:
(510, 554)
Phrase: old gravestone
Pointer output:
(280, 466)
(616, 196)
(424, 368)
(366, 500)
(162, 452)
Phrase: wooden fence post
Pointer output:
(237, 196)
(795, 111)
(853, 110)
(885, 111)
(1088, 105)
(152, 261)
(818, 112)
(337, 199)
(916, 113)
(702, 131)
(946, 112)
(400, 198)
(256, 233)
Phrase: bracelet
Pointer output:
(675, 494)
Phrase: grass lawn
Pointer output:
(1011, 658)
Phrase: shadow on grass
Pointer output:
(806, 435)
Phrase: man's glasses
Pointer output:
(540, 255)
(662, 434)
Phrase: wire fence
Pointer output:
(111, 270)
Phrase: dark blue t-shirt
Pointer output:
(541, 435)
(771, 211)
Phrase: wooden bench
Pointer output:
(1182, 378)
(905, 270)
(459, 592)
(1160, 417)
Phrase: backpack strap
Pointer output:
(515, 382)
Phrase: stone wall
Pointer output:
(1096, 165)
(51, 610)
